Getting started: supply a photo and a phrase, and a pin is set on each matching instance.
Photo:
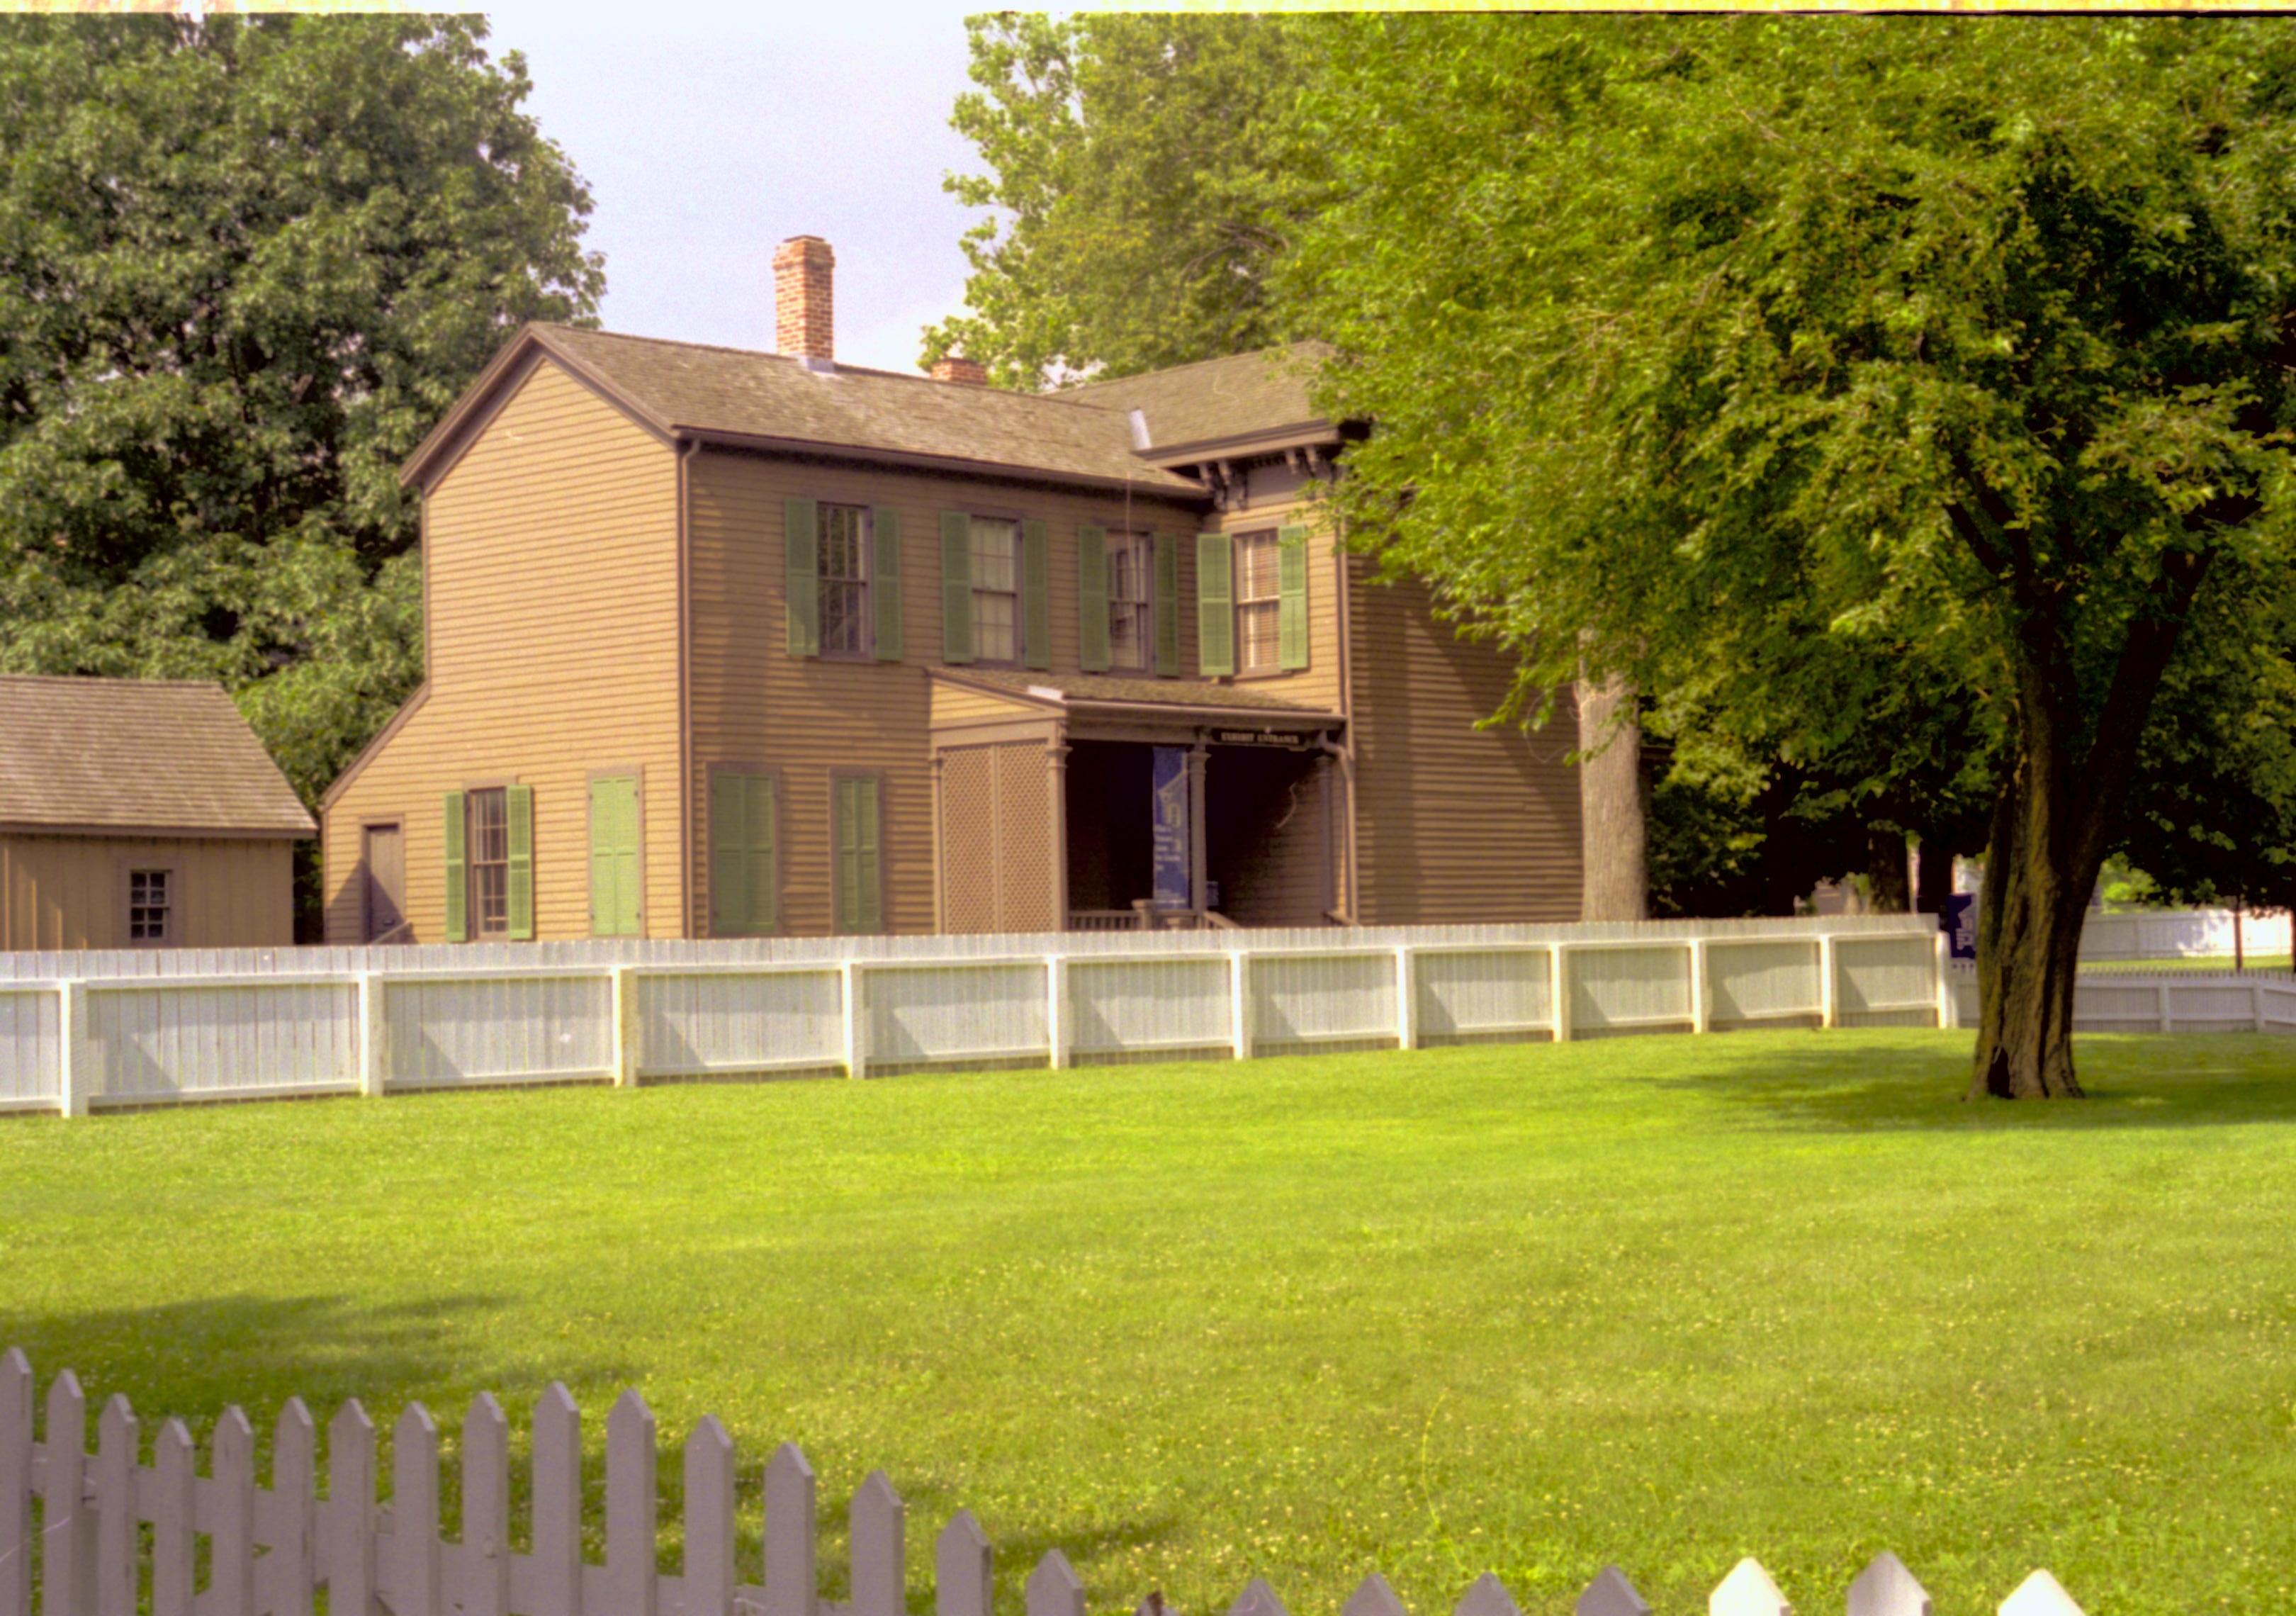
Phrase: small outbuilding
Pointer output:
(141, 813)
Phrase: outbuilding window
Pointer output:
(150, 907)
(1259, 600)
(995, 589)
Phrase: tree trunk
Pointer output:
(1933, 881)
(1886, 873)
(1615, 880)
(2029, 923)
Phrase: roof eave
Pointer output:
(1266, 440)
(442, 445)
(958, 464)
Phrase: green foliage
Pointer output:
(1663, 1301)
(1144, 173)
(244, 266)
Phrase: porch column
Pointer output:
(1056, 786)
(1197, 876)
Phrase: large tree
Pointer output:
(244, 265)
(1959, 343)
(1143, 174)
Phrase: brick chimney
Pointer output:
(956, 368)
(805, 324)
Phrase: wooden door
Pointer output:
(385, 862)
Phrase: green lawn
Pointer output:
(1665, 1301)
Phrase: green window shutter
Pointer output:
(458, 874)
(1214, 603)
(1035, 596)
(729, 885)
(743, 829)
(801, 569)
(520, 799)
(860, 898)
(956, 586)
(616, 892)
(885, 582)
(1166, 552)
(1291, 604)
(760, 848)
(1092, 598)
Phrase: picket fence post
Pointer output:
(1701, 1015)
(415, 1585)
(1407, 1007)
(375, 1034)
(2039, 1596)
(1885, 1588)
(1611, 1595)
(963, 1567)
(1949, 1013)
(856, 1057)
(117, 1547)
(348, 1524)
(1558, 990)
(790, 1582)
(875, 1532)
(484, 1589)
(1238, 987)
(15, 1484)
(631, 1463)
(621, 989)
(1487, 1595)
(708, 1519)
(2162, 990)
(76, 1076)
(172, 1564)
(1053, 1587)
(67, 1525)
(556, 1520)
(1056, 1011)
(1825, 984)
(1747, 1591)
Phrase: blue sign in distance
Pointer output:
(1168, 808)
(1959, 923)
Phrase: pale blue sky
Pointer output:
(710, 131)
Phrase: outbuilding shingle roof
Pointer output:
(693, 388)
(137, 755)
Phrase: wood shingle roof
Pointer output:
(161, 756)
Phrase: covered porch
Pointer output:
(1090, 803)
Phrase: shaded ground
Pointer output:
(1664, 1301)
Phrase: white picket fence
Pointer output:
(2181, 934)
(85, 1031)
(2163, 1002)
(71, 1544)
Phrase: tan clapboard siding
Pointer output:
(71, 891)
(1454, 825)
(1281, 879)
(551, 550)
(1317, 685)
(807, 718)
(954, 704)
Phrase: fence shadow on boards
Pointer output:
(72, 1520)
(385, 1020)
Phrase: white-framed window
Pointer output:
(1258, 602)
(995, 589)
(150, 905)
(1131, 601)
(843, 548)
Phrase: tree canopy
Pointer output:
(1144, 173)
(1817, 364)
(244, 266)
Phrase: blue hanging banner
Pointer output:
(1959, 923)
(1169, 809)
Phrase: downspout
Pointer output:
(689, 804)
(1351, 909)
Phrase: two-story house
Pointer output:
(730, 643)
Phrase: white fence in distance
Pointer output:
(2163, 1002)
(2182, 934)
(112, 1031)
(72, 1542)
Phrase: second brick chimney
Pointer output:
(805, 324)
(956, 368)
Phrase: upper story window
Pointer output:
(149, 906)
(995, 589)
(1258, 602)
(843, 570)
(489, 862)
(1131, 598)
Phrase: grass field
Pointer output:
(1664, 1301)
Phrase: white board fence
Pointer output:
(72, 1542)
(140, 1030)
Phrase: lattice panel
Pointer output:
(967, 839)
(1024, 840)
